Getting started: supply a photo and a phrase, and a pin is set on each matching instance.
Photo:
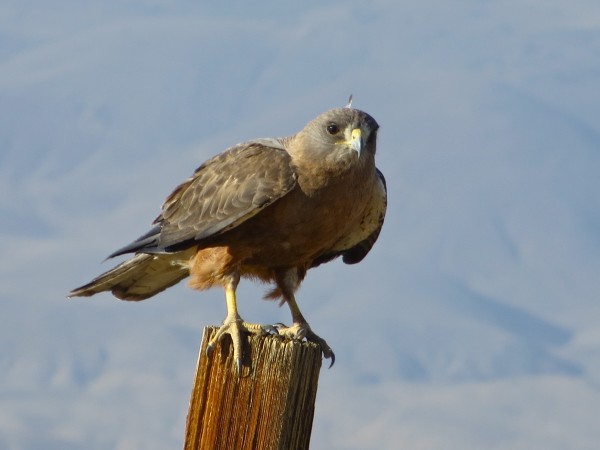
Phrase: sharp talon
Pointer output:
(210, 348)
(270, 329)
(301, 331)
(301, 334)
(332, 360)
(237, 330)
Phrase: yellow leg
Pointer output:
(301, 330)
(297, 316)
(231, 302)
(233, 325)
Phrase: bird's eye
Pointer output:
(332, 129)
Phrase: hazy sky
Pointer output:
(472, 324)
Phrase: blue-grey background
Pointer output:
(473, 323)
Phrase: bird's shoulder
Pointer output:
(259, 163)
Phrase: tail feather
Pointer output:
(139, 277)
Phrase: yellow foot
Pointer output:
(234, 327)
(300, 331)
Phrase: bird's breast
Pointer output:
(308, 222)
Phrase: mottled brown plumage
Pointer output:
(269, 209)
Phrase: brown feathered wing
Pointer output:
(222, 193)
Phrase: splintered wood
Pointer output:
(270, 406)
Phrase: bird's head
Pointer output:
(338, 137)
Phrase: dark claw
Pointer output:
(238, 366)
(210, 348)
(332, 360)
(301, 335)
(271, 329)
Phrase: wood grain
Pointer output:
(270, 406)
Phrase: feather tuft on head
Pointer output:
(349, 104)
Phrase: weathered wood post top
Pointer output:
(269, 406)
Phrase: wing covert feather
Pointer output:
(224, 192)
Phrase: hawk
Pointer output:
(267, 209)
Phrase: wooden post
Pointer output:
(270, 406)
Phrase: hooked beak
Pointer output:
(356, 142)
